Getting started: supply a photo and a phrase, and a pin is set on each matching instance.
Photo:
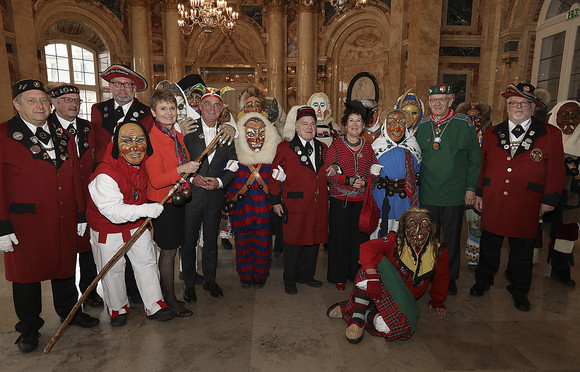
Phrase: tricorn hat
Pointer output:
(114, 71)
(522, 90)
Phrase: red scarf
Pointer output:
(451, 113)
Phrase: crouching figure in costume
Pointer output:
(247, 198)
(399, 155)
(565, 218)
(480, 115)
(396, 270)
(117, 207)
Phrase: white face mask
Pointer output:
(320, 106)
(181, 108)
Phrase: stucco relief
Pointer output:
(76, 31)
(365, 45)
(221, 49)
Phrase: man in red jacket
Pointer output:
(39, 225)
(67, 102)
(303, 191)
(522, 176)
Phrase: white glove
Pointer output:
(152, 210)
(6, 242)
(376, 169)
(278, 174)
(232, 166)
(81, 228)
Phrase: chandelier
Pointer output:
(207, 14)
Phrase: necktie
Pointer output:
(119, 113)
(518, 131)
(42, 136)
(71, 129)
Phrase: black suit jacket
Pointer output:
(195, 144)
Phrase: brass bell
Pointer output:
(178, 199)
(187, 194)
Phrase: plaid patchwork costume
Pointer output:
(401, 327)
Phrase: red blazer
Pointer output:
(86, 150)
(304, 193)
(104, 122)
(162, 165)
(41, 202)
(514, 187)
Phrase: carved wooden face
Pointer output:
(475, 116)
(255, 134)
(132, 143)
(417, 229)
(396, 126)
(414, 111)
(272, 109)
(252, 104)
(225, 116)
(193, 97)
(568, 117)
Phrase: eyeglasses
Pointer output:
(78, 101)
(521, 104)
(440, 100)
(118, 84)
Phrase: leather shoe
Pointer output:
(182, 313)
(311, 282)
(567, 282)
(27, 341)
(189, 294)
(478, 289)
(340, 286)
(521, 301)
(290, 289)
(214, 289)
(119, 321)
(226, 244)
(94, 300)
(162, 315)
(84, 320)
(452, 288)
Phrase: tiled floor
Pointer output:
(268, 330)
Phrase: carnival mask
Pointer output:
(475, 116)
(413, 110)
(417, 229)
(396, 126)
(193, 95)
(255, 134)
(320, 106)
(225, 116)
(181, 108)
(132, 143)
(373, 114)
(252, 104)
(568, 117)
(272, 109)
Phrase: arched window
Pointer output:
(73, 64)
(557, 54)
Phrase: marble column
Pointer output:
(424, 40)
(25, 35)
(6, 108)
(174, 69)
(140, 44)
(394, 84)
(306, 51)
(276, 43)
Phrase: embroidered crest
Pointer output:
(536, 154)
(35, 149)
(17, 136)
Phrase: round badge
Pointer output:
(59, 131)
(201, 136)
(303, 158)
(506, 147)
(87, 130)
(536, 154)
(35, 149)
(435, 146)
(502, 142)
(299, 152)
(359, 155)
(45, 156)
(135, 114)
(106, 108)
(105, 115)
(501, 135)
(86, 145)
(34, 140)
(63, 142)
(17, 136)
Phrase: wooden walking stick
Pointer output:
(208, 150)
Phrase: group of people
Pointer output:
(301, 177)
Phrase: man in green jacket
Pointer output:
(449, 171)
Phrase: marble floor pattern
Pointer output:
(268, 330)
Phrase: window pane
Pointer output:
(574, 89)
(89, 97)
(63, 76)
(89, 66)
(62, 63)
(559, 7)
(52, 74)
(76, 52)
(50, 49)
(61, 50)
(89, 79)
(551, 63)
(79, 78)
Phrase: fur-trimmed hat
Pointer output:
(252, 91)
(271, 141)
(524, 90)
(114, 71)
(482, 107)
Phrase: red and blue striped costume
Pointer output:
(251, 225)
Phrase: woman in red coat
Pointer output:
(169, 161)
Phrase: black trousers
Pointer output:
(345, 240)
(451, 220)
(208, 211)
(28, 302)
(88, 270)
(519, 270)
(299, 262)
(276, 225)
